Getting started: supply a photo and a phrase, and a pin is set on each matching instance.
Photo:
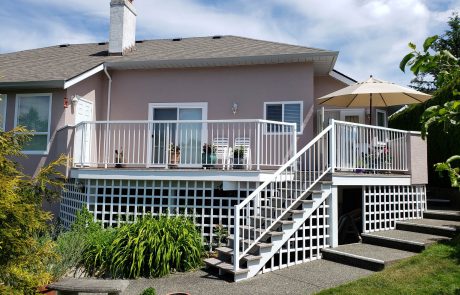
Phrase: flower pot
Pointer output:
(174, 158)
(238, 163)
(208, 160)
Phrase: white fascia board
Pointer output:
(173, 174)
(370, 179)
(341, 78)
(83, 76)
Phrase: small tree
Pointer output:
(447, 82)
(23, 255)
(425, 81)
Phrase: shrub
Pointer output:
(155, 246)
(149, 291)
(23, 256)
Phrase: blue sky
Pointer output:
(371, 35)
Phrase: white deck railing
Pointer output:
(365, 148)
(209, 143)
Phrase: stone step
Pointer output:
(365, 256)
(257, 247)
(439, 227)
(228, 253)
(224, 266)
(402, 240)
(442, 214)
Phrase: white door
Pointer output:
(82, 146)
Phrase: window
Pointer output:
(33, 111)
(2, 111)
(381, 118)
(289, 112)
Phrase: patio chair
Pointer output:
(245, 143)
(223, 151)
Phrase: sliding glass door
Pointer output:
(175, 142)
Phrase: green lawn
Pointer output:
(435, 271)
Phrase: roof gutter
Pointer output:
(51, 84)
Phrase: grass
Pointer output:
(434, 271)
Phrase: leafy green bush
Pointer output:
(23, 255)
(149, 291)
(155, 246)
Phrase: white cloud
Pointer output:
(371, 35)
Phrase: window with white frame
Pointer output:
(289, 112)
(2, 111)
(381, 118)
(33, 111)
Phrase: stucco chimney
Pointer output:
(122, 27)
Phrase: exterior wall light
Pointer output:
(234, 108)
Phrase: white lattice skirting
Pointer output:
(384, 205)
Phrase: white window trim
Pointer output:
(384, 115)
(282, 113)
(16, 112)
(353, 112)
(181, 105)
(5, 96)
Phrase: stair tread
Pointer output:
(273, 233)
(224, 266)
(443, 212)
(445, 224)
(229, 251)
(295, 211)
(260, 244)
(371, 252)
(407, 236)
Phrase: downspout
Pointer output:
(109, 92)
(109, 97)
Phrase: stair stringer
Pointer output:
(288, 231)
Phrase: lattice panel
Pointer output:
(72, 200)
(384, 205)
(112, 201)
(306, 244)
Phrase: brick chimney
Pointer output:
(122, 27)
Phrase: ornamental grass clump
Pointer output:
(155, 247)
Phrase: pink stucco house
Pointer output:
(223, 128)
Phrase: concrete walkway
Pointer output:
(306, 278)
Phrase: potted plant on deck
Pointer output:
(208, 156)
(238, 157)
(174, 154)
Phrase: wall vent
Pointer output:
(102, 43)
(216, 37)
(177, 39)
(64, 45)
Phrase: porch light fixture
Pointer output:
(74, 100)
(234, 108)
(66, 102)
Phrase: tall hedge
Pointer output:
(442, 142)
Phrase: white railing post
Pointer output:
(332, 148)
(294, 140)
(82, 150)
(107, 141)
(334, 217)
(258, 146)
(236, 239)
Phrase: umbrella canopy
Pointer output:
(373, 92)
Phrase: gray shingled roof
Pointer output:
(64, 63)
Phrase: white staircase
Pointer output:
(272, 214)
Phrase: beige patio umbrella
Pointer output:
(373, 92)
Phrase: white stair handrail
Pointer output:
(254, 196)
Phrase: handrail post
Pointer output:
(236, 239)
(294, 141)
(258, 147)
(107, 141)
(332, 148)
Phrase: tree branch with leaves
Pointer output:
(447, 82)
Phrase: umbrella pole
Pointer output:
(370, 110)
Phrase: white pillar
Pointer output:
(334, 217)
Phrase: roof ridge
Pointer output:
(280, 43)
